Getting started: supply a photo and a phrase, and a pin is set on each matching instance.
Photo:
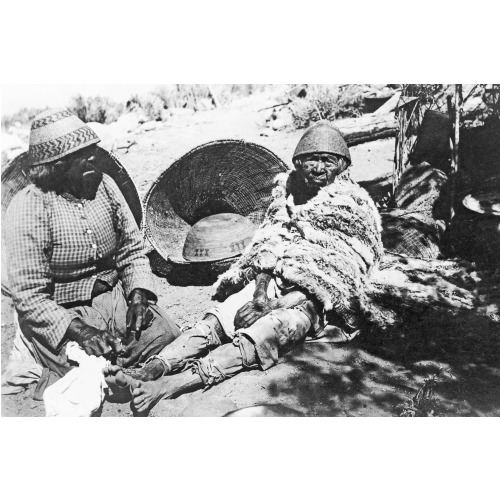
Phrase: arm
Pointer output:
(132, 263)
(131, 260)
(27, 238)
(258, 307)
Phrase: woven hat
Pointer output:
(14, 179)
(56, 133)
(215, 238)
(323, 137)
(228, 176)
(487, 203)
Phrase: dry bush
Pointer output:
(197, 97)
(183, 95)
(95, 109)
(329, 102)
(151, 105)
(22, 117)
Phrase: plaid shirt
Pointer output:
(58, 246)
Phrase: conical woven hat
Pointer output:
(322, 137)
(215, 238)
(56, 133)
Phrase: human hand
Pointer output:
(139, 316)
(94, 342)
(252, 311)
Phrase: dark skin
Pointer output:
(94, 342)
(82, 180)
(318, 170)
(314, 171)
(256, 308)
(139, 317)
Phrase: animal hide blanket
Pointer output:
(326, 246)
(331, 248)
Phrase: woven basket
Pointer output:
(13, 180)
(226, 176)
(413, 228)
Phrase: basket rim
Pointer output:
(147, 232)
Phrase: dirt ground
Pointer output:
(369, 377)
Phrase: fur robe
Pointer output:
(327, 246)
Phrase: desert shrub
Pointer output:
(95, 109)
(183, 95)
(194, 96)
(22, 117)
(152, 105)
(328, 102)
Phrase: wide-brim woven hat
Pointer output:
(14, 179)
(56, 133)
(215, 238)
(226, 176)
(323, 137)
(487, 203)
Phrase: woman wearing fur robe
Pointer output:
(303, 276)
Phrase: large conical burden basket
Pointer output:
(227, 176)
(13, 180)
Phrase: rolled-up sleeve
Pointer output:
(131, 260)
(27, 238)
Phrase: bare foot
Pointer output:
(152, 370)
(121, 385)
(146, 395)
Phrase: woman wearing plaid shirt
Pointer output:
(77, 265)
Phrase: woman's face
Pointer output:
(82, 179)
(320, 169)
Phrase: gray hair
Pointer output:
(48, 176)
(341, 160)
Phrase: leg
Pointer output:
(207, 334)
(279, 331)
(223, 362)
(109, 311)
(216, 327)
(258, 345)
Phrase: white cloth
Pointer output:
(81, 391)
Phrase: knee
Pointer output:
(163, 329)
(247, 350)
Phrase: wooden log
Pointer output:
(367, 128)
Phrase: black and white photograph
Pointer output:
(218, 209)
(272, 250)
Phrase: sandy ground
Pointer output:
(369, 377)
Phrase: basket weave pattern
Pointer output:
(226, 176)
